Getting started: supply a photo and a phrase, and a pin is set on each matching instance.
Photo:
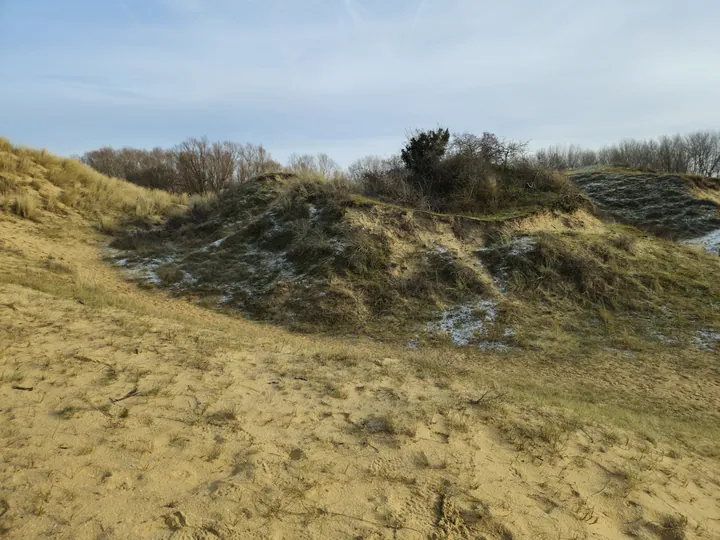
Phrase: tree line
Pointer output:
(694, 153)
(199, 166)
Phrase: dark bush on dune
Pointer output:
(467, 174)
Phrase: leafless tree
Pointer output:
(703, 148)
(320, 164)
(697, 152)
(192, 158)
(328, 167)
(205, 167)
(368, 165)
(253, 160)
(489, 147)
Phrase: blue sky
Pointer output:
(352, 77)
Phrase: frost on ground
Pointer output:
(497, 256)
(464, 323)
(710, 242)
(521, 245)
(146, 271)
(707, 339)
(651, 202)
(518, 245)
(662, 337)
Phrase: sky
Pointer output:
(352, 77)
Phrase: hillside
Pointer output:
(312, 255)
(682, 207)
(590, 411)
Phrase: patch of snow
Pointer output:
(214, 244)
(662, 337)
(707, 339)
(493, 346)
(121, 262)
(521, 244)
(146, 270)
(462, 324)
(151, 277)
(313, 211)
(189, 278)
(710, 242)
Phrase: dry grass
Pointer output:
(708, 194)
(108, 225)
(80, 187)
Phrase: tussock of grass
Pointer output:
(26, 206)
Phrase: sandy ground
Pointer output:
(133, 415)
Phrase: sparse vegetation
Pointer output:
(583, 404)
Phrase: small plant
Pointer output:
(670, 527)
(391, 425)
